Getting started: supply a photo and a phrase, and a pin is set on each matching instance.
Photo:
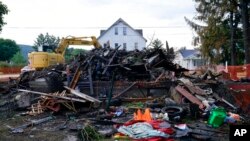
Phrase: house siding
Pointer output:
(131, 37)
(188, 62)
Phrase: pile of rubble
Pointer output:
(107, 90)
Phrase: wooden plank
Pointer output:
(195, 90)
(82, 95)
(50, 95)
(189, 96)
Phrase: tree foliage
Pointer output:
(245, 9)
(18, 59)
(219, 35)
(46, 40)
(157, 43)
(3, 10)
(70, 53)
(8, 49)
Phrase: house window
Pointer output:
(136, 45)
(116, 45)
(116, 30)
(124, 46)
(124, 31)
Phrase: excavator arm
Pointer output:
(65, 42)
(40, 60)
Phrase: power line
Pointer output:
(71, 27)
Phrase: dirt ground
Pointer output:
(5, 77)
(32, 133)
(47, 131)
(54, 129)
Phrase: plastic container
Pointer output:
(217, 117)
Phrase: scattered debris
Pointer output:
(127, 95)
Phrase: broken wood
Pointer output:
(82, 95)
(111, 60)
(189, 96)
(50, 95)
(223, 100)
(124, 91)
(90, 80)
(195, 90)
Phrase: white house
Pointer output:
(122, 34)
(189, 58)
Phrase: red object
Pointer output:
(132, 122)
(156, 125)
(233, 73)
(169, 131)
(248, 70)
(155, 139)
(242, 96)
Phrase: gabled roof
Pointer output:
(188, 52)
(138, 31)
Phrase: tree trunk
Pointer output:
(232, 40)
(246, 29)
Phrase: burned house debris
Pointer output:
(138, 95)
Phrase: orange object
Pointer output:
(147, 115)
(248, 70)
(139, 115)
(135, 116)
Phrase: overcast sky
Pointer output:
(162, 18)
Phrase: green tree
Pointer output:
(3, 10)
(244, 4)
(18, 59)
(157, 43)
(46, 40)
(219, 34)
(71, 52)
(8, 49)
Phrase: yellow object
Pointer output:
(121, 137)
(40, 60)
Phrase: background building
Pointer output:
(122, 34)
(189, 58)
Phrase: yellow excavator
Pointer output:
(40, 60)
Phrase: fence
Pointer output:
(10, 70)
(237, 72)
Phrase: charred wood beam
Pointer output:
(90, 81)
(110, 60)
(125, 90)
(80, 67)
(189, 96)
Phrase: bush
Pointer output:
(18, 59)
(4, 64)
